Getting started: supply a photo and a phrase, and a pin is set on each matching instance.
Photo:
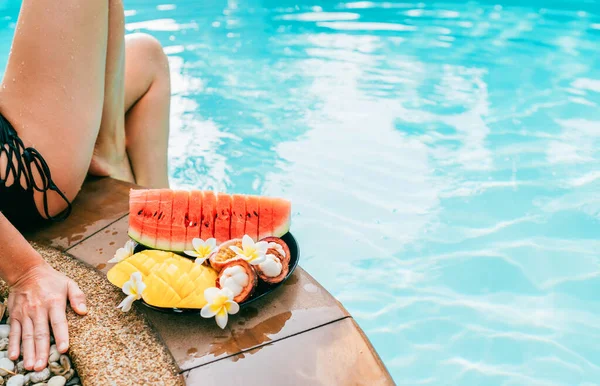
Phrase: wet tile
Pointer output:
(97, 249)
(100, 202)
(335, 354)
(299, 305)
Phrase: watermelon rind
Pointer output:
(155, 236)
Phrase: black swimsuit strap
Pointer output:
(19, 165)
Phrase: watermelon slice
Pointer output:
(252, 211)
(137, 202)
(282, 216)
(223, 219)
(178, 218)
(209, 212)
(265, 222)
(238, 216)
(151, 212)
(170, 219)
(164, 220)
(194, 219)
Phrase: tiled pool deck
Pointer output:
(299, 335)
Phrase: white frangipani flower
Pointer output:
(123, 253)
(253, 253)
(220, 305)
(133, 289)
(202, 249)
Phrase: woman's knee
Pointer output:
(149, 52)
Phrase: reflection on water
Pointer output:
(442, 159)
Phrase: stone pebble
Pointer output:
(58, 380)
(6, 365)
(54, 354)
(17, 380)
(39, 376)
(4, 330)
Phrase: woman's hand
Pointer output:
(36, 300)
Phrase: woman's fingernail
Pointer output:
(83, 307)
(62, 347)
(12, 354)
(39, 363)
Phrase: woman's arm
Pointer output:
(38, 297)
(16, 255)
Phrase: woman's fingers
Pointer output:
(60, 329)
(76, 298)
(42, 339)
(27, 343)
(14, 340)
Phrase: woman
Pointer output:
(77, 98)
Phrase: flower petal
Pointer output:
(233, 308)
(207, 311)
(128, 287)
(136, 277)
(126, 304)
(221, 318)
(227, 292)
(237, 250)
(140, 289)
(212, 243)
(210, 294)
(130, 246)
(192, 253)
(261, 247)
(247, 242)
(200, 260)
(197, 243)
(120, 255)
(258, 260)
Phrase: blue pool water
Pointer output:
(442, 159)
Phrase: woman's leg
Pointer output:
(110, 153)
(53, 94)
(53, 87)
(147, 106)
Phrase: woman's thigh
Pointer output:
(53, 87)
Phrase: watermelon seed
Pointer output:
(256, 214)
(140, 212)
(249, 215)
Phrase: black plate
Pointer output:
(262, 288)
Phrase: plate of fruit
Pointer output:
(203, 252)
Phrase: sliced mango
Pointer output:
(171, 280)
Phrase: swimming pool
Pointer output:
(442, 159)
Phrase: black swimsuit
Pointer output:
(16, 202)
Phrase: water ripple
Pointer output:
(442, 160)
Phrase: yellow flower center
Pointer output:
(204, 250)
(220, 304)
(251, 253)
